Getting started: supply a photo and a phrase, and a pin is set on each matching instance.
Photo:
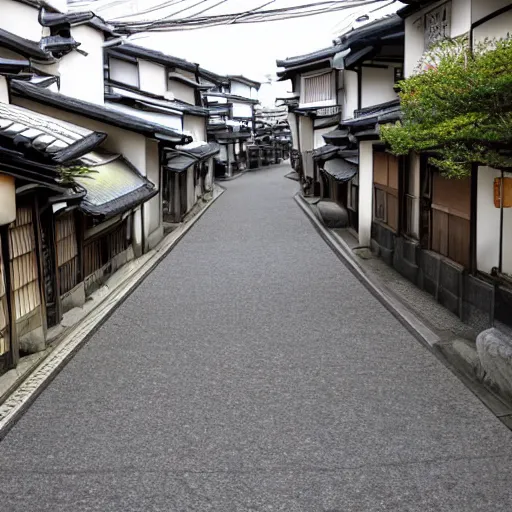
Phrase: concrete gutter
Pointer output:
(454, 356)
(25, 386)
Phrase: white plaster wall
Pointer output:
(196, 126)
(318, 140)
(216, 99)
(377, 86)
(482, 8)
(4, 90)
(365, 192)
(171, 121)
(461, 17)
(124, 72)
(242, 110)
(496, 28)
(131, 145)
(254, 93)
(488, 224)
(20, 19)
(350, 94)
(292, 120)
(240, 89)
(414, 189)
(182, 92)
(414, 44)
(191, 194)
(82, 76)
(306, 133)
(208, 182)
(153, 227)
(152, 77)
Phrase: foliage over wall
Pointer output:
(459, 108)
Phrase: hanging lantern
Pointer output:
(7, 199)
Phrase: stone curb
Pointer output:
(231, 178)
(406, 317)
(415, 326)
(31, 386)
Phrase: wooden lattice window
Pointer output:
(437, 24)
(102, 249)
(24, 271)
(385, 197)
(318, 88)
(67, 252)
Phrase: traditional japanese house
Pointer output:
(372, 64)
(448, 236)
(231, 104)
(167, 90)
(87, 227)
(317, 84)
(291, 102)
(63, 186)
(453, 239)
(272, 136)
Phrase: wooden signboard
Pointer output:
(507, 192)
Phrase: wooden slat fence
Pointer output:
(24, 271)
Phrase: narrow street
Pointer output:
(253, 372)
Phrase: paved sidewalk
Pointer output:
(252, 371)
(438, 318)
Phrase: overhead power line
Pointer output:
(256, 15)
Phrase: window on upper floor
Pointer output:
(124, 72)
(437, 24)
(318, 88)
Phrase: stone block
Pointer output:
(33, 342)
(503, 305)
(332, 214)
(450, 276)
(75, 298)
(478, 300)
(495, 353)
(429, 263)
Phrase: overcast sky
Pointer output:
(251, 49)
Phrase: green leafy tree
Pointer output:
(459, 107)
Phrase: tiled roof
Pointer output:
(325, 152)
(353, 40)
(133, 50)
(23, 46)
(129, 95)
(97, 112)
(340, 169)
(58, 141)
(337, 137)
(244, 80)
(179, 162)
(113, 187)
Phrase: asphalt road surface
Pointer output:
(251, 371)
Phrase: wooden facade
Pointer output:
(5, 345)
(445, 216)
(386, 190)
(24, 264)
(67, 252)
